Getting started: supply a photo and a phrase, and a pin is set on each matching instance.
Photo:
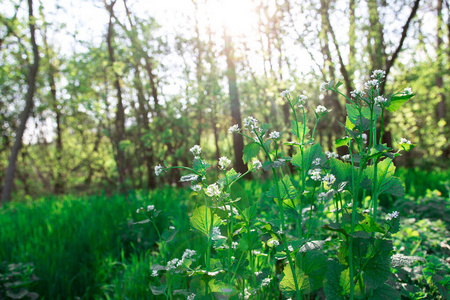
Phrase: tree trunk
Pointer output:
(31, 79)
(235, 105)
(120, 113)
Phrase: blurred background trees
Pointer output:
(103, 110)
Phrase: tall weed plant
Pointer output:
(322, 237)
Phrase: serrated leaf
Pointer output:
(314, 265)
(368, 225)
(342, 171)
(309, 154)
(397, 101)
(250, 150)
(386, 181)
(385, 292)
(400, 260)
(287, 283)
(285, 188)
(348, 124)
(358, 119)
(201, 220)
(331, 285)
(377, 270)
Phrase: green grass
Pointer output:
(88, 247)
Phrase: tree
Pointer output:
(31, 88)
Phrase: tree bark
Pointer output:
(31, 79)
(235, 105)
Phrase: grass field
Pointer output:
(88, 247)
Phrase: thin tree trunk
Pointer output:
(32, 75)
(235, 105)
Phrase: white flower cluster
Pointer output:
(176, 262)
(285, 93)
(331, 154)
(224, 162)
(379, 100)
(154, 273)
(290, 248)
(188, 254)
(320, 109)
(393, 215)
(407, 91)
(273, 243)
(377, 74)
(196, 150)
(196, 188)
(274, 135)
(329, 179)
(356, 93)
(325, 86)
(256, 164)
(316, 161)
(251, 122)
(371, 84)
(346, 157)
(302, 100)
(234, 129)
(315, 174)
(405, 141)
(266, 281)
(150, 208)
(213, 190)
(188, 178)
(191, 296)
(158, 170)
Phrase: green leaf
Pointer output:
(314, 265)
(200, 166)
(385, 292)
(342, 171)
(331, 284)
(397, 101)
(335, 227)
(201, 220)
(358, 119)
(368, 225)
(157, 290)
(315, 151)
(287, 283)
(377, 270)
(348, 124)
(386, 181)
(268, 165)
(300, 128)
(250, 150)
(342, 142)
(285, 187)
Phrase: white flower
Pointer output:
(324, 86)
(216, 234)
(213, 190)
(377, 74)
(407, 91)
(274, 135)
(285, 93)
(273, 243)
(302, 100)
(139, 210)
(154, 273)
(150, 207)
(188, 254)
(266, 281)
(404, 141)
(379, 100)
(256, 165)
(356, 93)
(364, 136)
(371, 84)
(251, 122)
(331, 154)
(349, 204)
(171, 228)
(234, 129)
(342, 186)
(290, 248)
(316, 161)
(191, 296)
(196, 150)
(393, 215)
(188, 178)
(158, 170)
(329, 179)
(172, 264)
(224, 162)
(314, 174)
(320, 109)
(346, 157)
(196, 188)
(280, 231)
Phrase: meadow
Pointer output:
(88, 247)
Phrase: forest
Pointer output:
(225, 149)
